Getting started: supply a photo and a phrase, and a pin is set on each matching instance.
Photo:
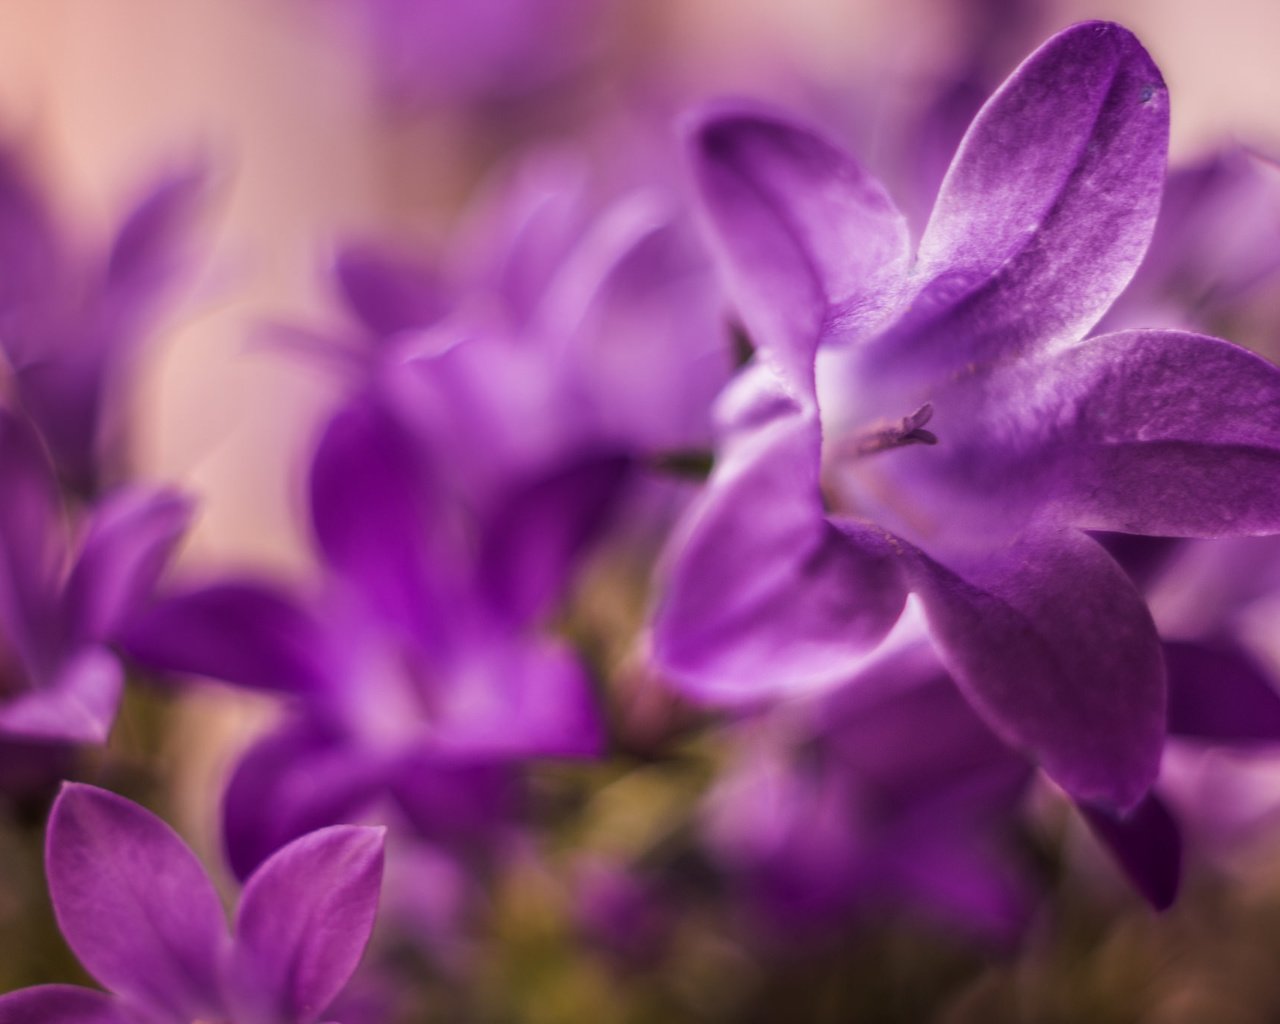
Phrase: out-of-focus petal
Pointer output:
(1220, 693)
(388, 292)
(1147, 844)
(291, 782)
(78, 705)
(373, 518)
(134, 904)
(520, 700)
(147, 246)
(764, 595)
(61, 1004)
(536, 535)
(1046, 210)
(241, 632)
(304, 920)
(810, 244)
(1055, 649)
(129, 541)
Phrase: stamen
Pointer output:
(908, 430)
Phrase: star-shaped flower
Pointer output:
(141, 914)
(831, 499)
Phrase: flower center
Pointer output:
(882, 437)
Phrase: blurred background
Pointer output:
(318, 123)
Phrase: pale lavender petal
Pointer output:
(810, 244)
(129, 541)
(1219, 692)
(538, 532)
(61, 1004)
(241, 632)
(1147, 844)
(764, 594)
(304, 920)
(1046, 210)
(1055, 649)
(134, 904)
(1161, 432)
(78, 705)
(291, 782)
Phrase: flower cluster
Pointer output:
(696, 558)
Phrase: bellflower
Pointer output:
(62, 606)
(932, 423)
(144, 919)
(70, 320)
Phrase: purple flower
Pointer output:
(476, 50)
(931, 423)
(61, 607)
(70, 321)
(143, 917)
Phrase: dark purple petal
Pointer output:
(78, 705)
(1218, 692)
(537, 534)
(1056, 650)
(305, 919)
(388, 292)
(129, 541)
(372, 516)
(291, 782)
(765, 595)
(61, 1004)
(457, 803)
(1166, 433)
(1046, 210)
(1147, 844)
(134, 904)
(241, 632)
(810, 244)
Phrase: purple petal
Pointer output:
(1219, 692)
(1166, 433)
(765, 595)
(61, 1004)
(291, 782)
(1147, 844)
(30, 541)
(77, 706)
(810, 244)
(305, 919)
(372, 516)
(387, 292)
(1056, 651)
(135, 904)
(128, 544)
(1046, 210)
(144, 251)
(538, 533)
(516, 700)
(241, 632)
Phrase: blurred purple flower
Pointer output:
(966, 438)
(62, 607)
(70, 321)
(142, 916)
(469, 51)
